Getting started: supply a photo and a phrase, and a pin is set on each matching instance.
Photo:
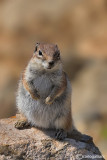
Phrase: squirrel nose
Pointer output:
(51, 63)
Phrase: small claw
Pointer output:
(21, 124)
(48, 100)
(36, 97)
(60, 134)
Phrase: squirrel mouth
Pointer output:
(49, 67)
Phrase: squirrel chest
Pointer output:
(44, 84)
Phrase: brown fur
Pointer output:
(48, 51)
(68, 122)
(27, 87)
(63, 86)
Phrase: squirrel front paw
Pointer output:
(35, 96)
(49, 100)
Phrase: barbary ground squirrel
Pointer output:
(44, 92)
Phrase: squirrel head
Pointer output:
(47, 55)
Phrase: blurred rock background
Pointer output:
(79, 27)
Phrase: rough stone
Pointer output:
(36, 144)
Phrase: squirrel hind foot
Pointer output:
(60, 134)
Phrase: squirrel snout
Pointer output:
(51, 63)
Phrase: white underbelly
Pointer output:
(41, 115)
(43, 85)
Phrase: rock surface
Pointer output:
(36, 144)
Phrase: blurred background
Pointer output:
(79, 27)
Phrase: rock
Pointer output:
(36, 144)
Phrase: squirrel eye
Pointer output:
(40, 53)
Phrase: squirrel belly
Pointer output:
(38, 112)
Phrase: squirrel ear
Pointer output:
(56, 47)
(37, 44)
